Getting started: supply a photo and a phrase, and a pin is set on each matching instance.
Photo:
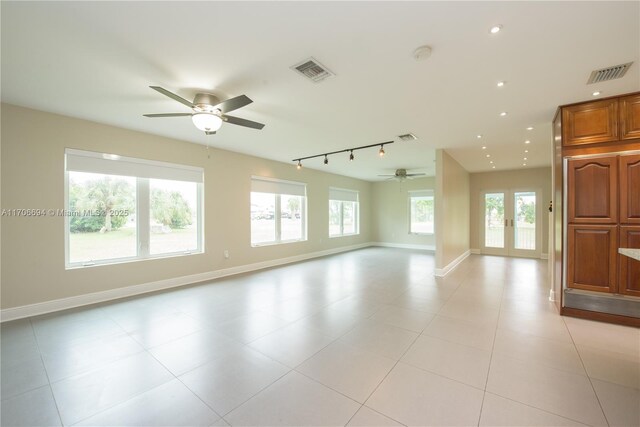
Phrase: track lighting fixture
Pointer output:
(381, 153)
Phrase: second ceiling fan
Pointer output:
(208, 111)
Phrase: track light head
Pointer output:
(381, 152)
(351, 156)
(326, 160)
(299, 165)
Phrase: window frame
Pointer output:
(421, 194)
(339, 195)
(275, 184)
(142, 203)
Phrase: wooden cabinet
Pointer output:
(629, 276)
(630, 117)
(593, 254)
(590, 123)
(592, 190)
(630, 189)
(597, 188)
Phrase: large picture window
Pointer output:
(278, 211)
(122, 209)
(421, 210)
(343, 212)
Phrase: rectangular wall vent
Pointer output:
(609, 73)
(313, 70)
(408, 137)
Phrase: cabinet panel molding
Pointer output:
(592, 186)
(592, 257)
(590, 123)
(630, 117)
(630, 189)
(629, 275)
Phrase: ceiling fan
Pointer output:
(401, 175)
(208, 111)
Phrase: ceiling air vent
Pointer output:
(313, 70)
(609, 73)
(408, 137)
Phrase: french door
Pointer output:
(511, 223)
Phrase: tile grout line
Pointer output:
(493, 345)
(401, 356)
(586, 372)
(53, 396)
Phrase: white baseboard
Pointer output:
(430, 248)
(14, 313)
(441, 272)
(544, 256)
(475, 251)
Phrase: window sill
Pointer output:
(421, 234)
(90, 264)
(344, 235)
(283, 242)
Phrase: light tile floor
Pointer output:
(365, 338)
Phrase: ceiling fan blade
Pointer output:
(387, 175)
(210, 133)
(167, 115)
(173, 96)
(243, 122)
(415, 174)
(234, 103)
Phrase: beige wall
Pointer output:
(524, 179)
(32, 171)
(390, 212)
(452, 209)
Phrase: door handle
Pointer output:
(506, 222)
(512, 223)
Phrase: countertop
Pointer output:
(631, 253)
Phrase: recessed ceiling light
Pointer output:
(493, 167)
(596, 93)
(504, 113)
(491, 161)
(500, 84)
(530, 128)
(495, 29)
(524, 158)
(527, 142)
(524, 164)
(484, 147)
(488, 155)
(526, 151)
(479, 136)
(421, 53)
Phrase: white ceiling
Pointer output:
(96, 60)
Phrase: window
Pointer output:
(343, 212)
(122, 209)
(421, 212)
(278, 211)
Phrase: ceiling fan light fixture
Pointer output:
(207, 122)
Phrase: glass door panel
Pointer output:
(524, 227)
(494, 220)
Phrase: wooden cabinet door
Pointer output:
(630, 189)
(592, 190)
(629, 276)
(630, 117)
(590, 123)
(592, 255)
